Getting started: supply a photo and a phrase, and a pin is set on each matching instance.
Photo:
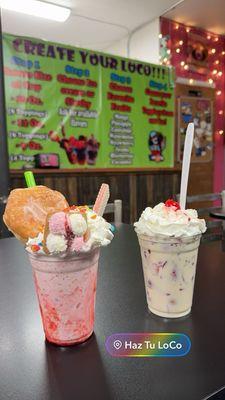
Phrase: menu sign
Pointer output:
(74, 108)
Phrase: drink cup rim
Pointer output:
(70, 257)
(165, 238)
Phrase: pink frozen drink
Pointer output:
(66, 291)
(66, 277)
(63, 244)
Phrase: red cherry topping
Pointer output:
(172, 203)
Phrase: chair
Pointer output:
(114, 208)
(214, 227)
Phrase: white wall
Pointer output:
(119, 48)
(144, 44)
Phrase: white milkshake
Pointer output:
(169, 239)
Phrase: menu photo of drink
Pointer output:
(74, 108)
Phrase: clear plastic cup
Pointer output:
(66, 289)
(169, 266)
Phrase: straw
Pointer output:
(29, 178)
(186, 164)
(101, 200)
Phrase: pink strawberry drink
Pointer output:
(66, 292)
(169, 240)
(65, 263)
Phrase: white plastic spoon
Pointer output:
(186, 164)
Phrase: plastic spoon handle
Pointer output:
(186, 164)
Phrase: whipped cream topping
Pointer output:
(36, 241)
(169, 221)
(99, 231)
(56, 243)
(96, 232)
(78, 224)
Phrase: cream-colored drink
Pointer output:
(169, 239)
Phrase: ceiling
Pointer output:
(207, 14)
(94, 24)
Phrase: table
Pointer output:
(31, 369)
(218, 213)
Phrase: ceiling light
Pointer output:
(37, 9)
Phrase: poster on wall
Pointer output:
(74, 108)
(197, 54)
(200, 111)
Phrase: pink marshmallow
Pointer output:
(77, 244)
(57, 223)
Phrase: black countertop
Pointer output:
(31, 369)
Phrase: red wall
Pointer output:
(179, 32)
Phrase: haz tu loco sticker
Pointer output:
(148, 345)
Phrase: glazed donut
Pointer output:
(26, 210)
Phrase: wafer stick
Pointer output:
(101, 200)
